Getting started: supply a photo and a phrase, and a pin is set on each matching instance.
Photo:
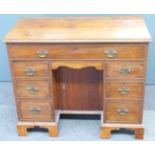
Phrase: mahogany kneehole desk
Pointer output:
(79, 65)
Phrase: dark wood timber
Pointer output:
(80, 89)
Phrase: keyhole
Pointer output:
(63, 86)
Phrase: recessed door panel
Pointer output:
(80, 89)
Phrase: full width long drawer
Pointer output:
(124, 69)
(77, 51)
(125, 111)
(35, 110)
(32, 89)
(30, 69)
(124, 90)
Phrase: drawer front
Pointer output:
(30, 69)
(124, 70)
(126, 51)
(121, 112)
(124, 90)
(76, 51)
(33, 89)
(35, 110)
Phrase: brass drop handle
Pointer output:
(110, 53)
(122, 111)
(30, 71)
(35, 110)
(32, 89)
(125, 70)
(42, 53)
(123, 90)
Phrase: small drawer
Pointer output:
(122, 112)
(35, 110)
(124, 70)
(76, 51)
(125, 51)
(30, 69)
(33, 89)
(124, 90)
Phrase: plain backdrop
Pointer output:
(75, 7)
(9, 20)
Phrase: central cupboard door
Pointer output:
(79, 89)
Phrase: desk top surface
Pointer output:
(80, 29)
